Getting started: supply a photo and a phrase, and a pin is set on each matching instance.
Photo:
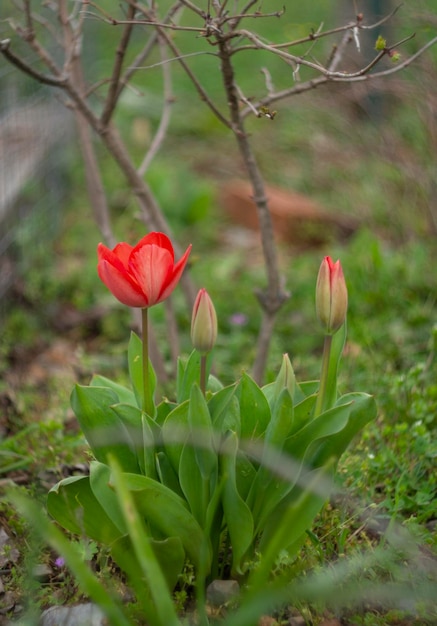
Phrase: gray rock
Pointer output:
(81, 615)
(219, 592)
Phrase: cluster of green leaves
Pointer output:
(221, 480)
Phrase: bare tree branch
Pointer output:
(168, 100)
(114, 90)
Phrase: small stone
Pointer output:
(219, 592)
(266, 620)
(80, 615)
(42, 572)
(8, 552)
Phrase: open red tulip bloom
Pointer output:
(141, 275)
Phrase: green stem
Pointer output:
(203, 373)
(324, 376)
(147, 396)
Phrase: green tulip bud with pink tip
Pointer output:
(331, 295)
(203, 323)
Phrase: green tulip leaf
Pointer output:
(100, 478)
(254, 409)
(269, 473)
(287, 526)
(166, 474)
(189, 374)
(132, 418)
(103, 429)
(224, 410)
(303, 413)
(125, 396)
(175, 432)
(169, 553)
(237, 514)
(362, 410)
(309, 388)
(296, 459)
(245, 474)
(194, 486)
(201, 433)
(167, 514)
(324, 425)
(74, 506)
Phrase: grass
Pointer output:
(378, 169)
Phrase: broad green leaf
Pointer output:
(195, 487)
(74, 506)
(162, 410)
(254, 409)
(324, 425)
(362, 411)
(219, 405)
(175, 432)
(201, 433)
(189, 374)
(135, 360)
(131, 416)
(281, 422)
(100, 478)
(303, 413)
(297, 458)
(264, 487)
(125, 396)
(290, 521)
(169, 554)
(309, 387)
(245, 474)
(149, 564)
(224, 410)
(166, 474)
(103, 429)
(237, 513)
(167, 514)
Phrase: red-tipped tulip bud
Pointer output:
(203, 323)
(331, 295)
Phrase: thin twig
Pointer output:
(54, 81)
(168, 100)
(114, 91)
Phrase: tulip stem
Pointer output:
(147, 395)
(324, 377)
(203, 373)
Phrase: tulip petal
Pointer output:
(118, 257)
(121, 284)
(176, 274)
(159, 239)
(151, 266)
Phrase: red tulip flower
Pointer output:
(141, 275)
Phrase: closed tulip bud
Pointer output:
(331, 295)
(286, 378)
(203, 323)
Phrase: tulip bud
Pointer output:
(203, 323)
(331, 295)
(286, 378)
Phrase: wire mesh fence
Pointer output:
(34, 147)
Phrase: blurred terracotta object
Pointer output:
(296, 218)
